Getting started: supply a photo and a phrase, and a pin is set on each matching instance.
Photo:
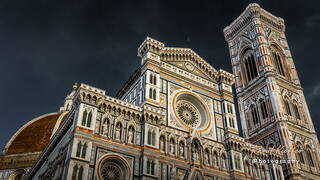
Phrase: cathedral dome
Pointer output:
(34, 135)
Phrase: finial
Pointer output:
(75, 85)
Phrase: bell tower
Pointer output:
(272, 105)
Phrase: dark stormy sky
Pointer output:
(45, 46)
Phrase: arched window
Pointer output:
(250, 66)
(296, 111)
(155, 80)
(149, 136)
(80, 173)
(150, 93)
(263, 108)
(154, 94)
(277, 61)
(153, 142)
(150, 167)
(75, 172)
(151, 78)
(287, 106)
(254, 115)
(309, 157)
(79, 147)
(231, 122)
(270, 108)
(84, 117)
(89, 119)
(299, 153)
(84, 150)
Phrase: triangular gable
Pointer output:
(188, 60)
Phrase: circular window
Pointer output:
(110, 171)
(188, 113)
(190, 110)
(113, 167)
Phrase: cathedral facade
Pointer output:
(175, 118)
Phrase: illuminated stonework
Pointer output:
(175, 118)
(111, 171)
(188, 113)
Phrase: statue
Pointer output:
(118, 132)
(106, 128)
(171, 147)
(130, 135)
(162, 144)
(181, 151)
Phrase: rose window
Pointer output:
(111, 172)
(188, 113)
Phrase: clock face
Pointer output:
(190, 111)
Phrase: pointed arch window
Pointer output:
(80, 173)
(81, 150)
(84, 150)
(154, 95)
(149, 137)
(79, 147)
(151, 140)
(296, 111)
(84, 117)
(151, 78)
(277, 62)
(263, 108)
(254, 115)
(150, 93)
(231, 122)
(287, 106)
(309, 157)
(89, 119)
(299, 153)
(250, 66)
(150, 167)
(75, 172)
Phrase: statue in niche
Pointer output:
(106, 127)
(195, 154)
(162, 143)
(130, 135)
(171, 147)
(118, 132)
(195, 149)
(181, 149)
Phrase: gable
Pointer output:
(188, 60)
